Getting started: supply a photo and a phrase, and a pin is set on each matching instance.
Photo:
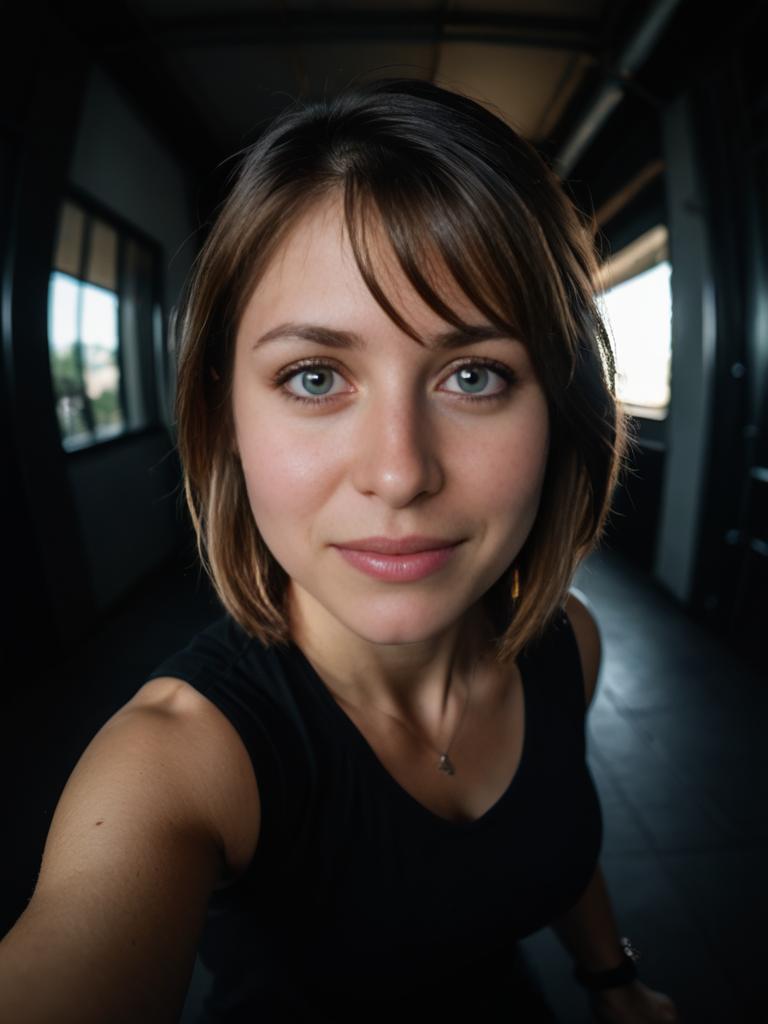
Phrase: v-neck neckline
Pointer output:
(351, 729)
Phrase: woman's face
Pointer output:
(381, 438)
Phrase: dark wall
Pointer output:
(95, 522)
(718, 65)
(43, 70)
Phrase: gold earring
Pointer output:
(516, 585)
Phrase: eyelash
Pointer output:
(285, 375)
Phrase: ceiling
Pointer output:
(211, 74)
(584, 80)
(241, 63)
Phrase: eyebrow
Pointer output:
(335, 338)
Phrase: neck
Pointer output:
(418, 682)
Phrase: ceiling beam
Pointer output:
(404, 26)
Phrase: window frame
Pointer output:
(656, 253)
(152, 377)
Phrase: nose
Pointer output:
(396, 453)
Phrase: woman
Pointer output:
(399, 439)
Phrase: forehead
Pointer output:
(314, 271)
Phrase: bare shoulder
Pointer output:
(217, 764)
(582, 618)
(130, 860)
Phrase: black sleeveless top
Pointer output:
(359, 900)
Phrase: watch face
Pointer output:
(629, 950)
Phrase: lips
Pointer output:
(398, 545)
(399, 567)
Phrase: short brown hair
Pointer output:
(444, 176)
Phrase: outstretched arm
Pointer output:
(589, 933)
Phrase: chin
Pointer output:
(398, 629)
(383, 618)
(400, 639)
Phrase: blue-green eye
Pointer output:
(312, 375)
(320, 378)
(316, 377)
(474, 378)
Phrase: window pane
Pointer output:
(101, 367)
(101, 328)
(639, 316)
(63, 297)
(69, 244)
(102, 256)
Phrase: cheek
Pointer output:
(509, 472)
(286, 476)
(290, 473)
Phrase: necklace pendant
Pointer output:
(446, 765)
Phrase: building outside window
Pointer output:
(102, 315)
(637, 306)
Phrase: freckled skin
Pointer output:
(397, 451)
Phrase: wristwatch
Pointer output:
(626, 972)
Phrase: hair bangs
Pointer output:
(412, 224)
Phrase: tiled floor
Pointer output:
(676, 747)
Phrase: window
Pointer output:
(101, 300)
(637, 306)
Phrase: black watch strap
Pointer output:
(626, 972)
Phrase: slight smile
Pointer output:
(407, 559)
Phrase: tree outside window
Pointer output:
(100, 325)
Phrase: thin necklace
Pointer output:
(444, 764)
